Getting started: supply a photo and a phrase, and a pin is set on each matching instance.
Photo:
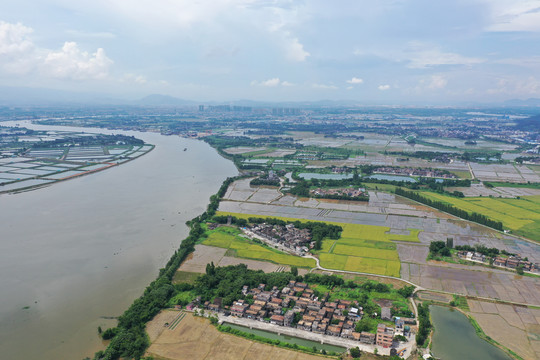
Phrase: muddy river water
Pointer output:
(76, 253)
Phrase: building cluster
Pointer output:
(510, 262)
(288, 236)
(408, 171)
(349, 192)
(297, 306)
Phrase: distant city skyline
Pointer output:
(380, 52)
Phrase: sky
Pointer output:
(369, 51)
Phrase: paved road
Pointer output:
(320, 338)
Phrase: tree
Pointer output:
(294, 270)
(445, 251)
(519, 269)
(355, 352)
(109, 333)
(450, 243)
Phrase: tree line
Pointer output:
(424, 327)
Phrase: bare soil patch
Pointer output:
(196, 262)
(196, 339)
(504, 324)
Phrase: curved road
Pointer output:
(416, 287)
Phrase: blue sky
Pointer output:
(389, 51)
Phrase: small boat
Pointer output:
(185, 149)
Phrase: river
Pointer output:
(77, 252)
(454, 338)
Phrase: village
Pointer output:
(296, 307)
(341, 192)
(424, 172)
(287, 238)
(512, 262)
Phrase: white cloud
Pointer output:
(137, 79)
(355, 81)
(324, 87)
(513, 15)
(72, 63)
(430, 83)
(19, 55)
(294, 51)
(350, 87)
(423, 58)
(91, 35)
(271, 83)
(14, 39)
(437, 82)
(519, 87)
(383, 87)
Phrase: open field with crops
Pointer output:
(522, 216)
(194, 338)
(361, 248)
(226, 238)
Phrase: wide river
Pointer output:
(80, 251)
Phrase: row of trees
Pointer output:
(484, 250)
(424, 327)
(451, 209)
(267, 182)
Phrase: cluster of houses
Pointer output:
(510, 262)
(297, 306)
(349, 192)
(288, 236)
(408, 171)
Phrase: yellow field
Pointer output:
(519, 215)
(248, 250)
(194, 338)
(361, 248)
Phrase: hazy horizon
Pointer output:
(384, 52)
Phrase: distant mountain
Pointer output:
(164, 100)
(518, 102)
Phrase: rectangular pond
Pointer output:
(287, 339)
(392, 178)
(309, 176)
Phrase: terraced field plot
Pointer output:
(520, 215)
(228, 238)
(361, 248)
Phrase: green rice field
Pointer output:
(522, 216)
(228, 238)
(361, 248)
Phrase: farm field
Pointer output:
(517, 328)
(194, 338)
(361, 248)
(228, 238)
(522, 216)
